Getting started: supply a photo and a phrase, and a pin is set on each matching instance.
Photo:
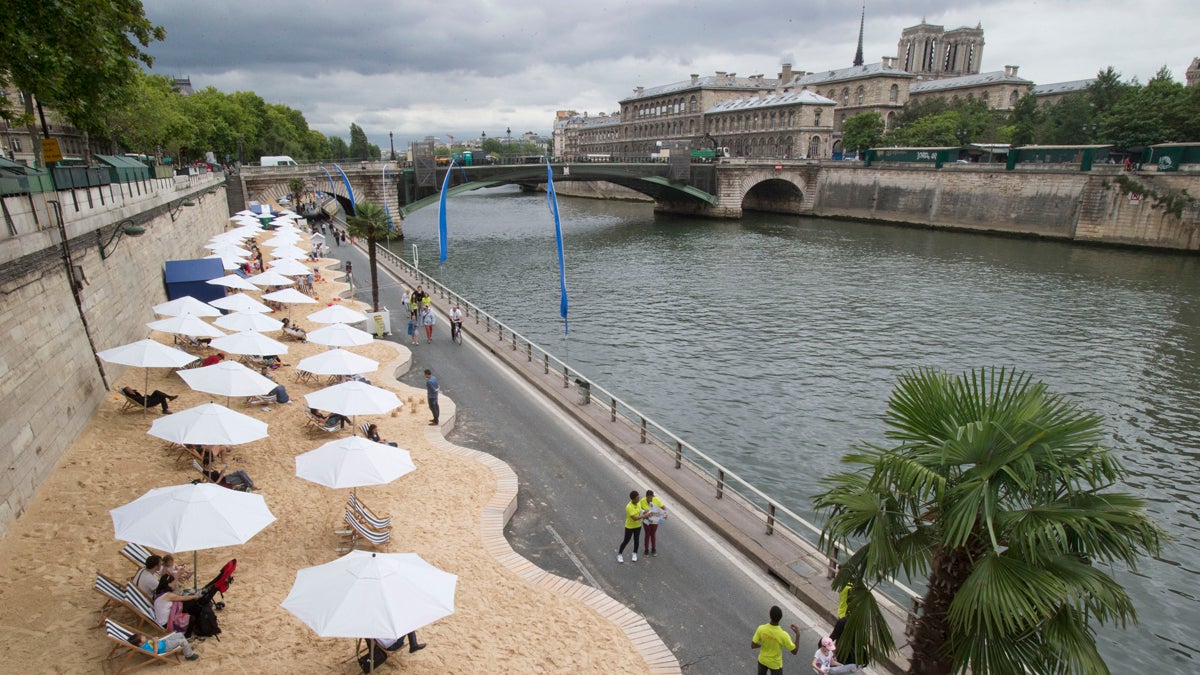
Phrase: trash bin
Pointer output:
(585, 391)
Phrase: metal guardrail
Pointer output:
(776, 518)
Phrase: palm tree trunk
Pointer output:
(949, 570)
(374, 273)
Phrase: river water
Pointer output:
(773, 342)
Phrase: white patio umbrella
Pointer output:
(337, 362)
(289, 296)
(228, 379)
(289, 266)
(240, 302)
(191, 517)
(353, 462)
(289, 251)
(233, 281)
(227, 264)
(147, 354)
(340, 335)
(271, 278)
(337, 314)
(243, 321)
(353, 398)
(186, 305)
(282, 239)
(208, 424)
(382, 595)
(186, 324)
(229, 248)
(249, 342)
(244, 212)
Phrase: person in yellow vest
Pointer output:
(843, 606)
(633, 527)
(653, 514)
(770, 640)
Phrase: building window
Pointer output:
(891, 118)
(845, 95)
(817, 117)
(859, 96)
(16, 145)
(1012, 99)
(814, 147)
(985, 97)
(894, 93)
(695, 107)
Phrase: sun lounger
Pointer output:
(359, 530)
(303, 376)
(130, 403)
(136, 553)
(142, 608)
(114, 596)
(315, 423)
(261, 400)
(368, 516)
(120, 636)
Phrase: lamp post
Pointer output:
(1089, 132)
(392, 144)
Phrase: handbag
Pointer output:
(364, 661)
(178, 619)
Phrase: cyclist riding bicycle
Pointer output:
(456, 317)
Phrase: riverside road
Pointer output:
(703, 599)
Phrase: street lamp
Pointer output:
(1089, 131)
(962, 135)
(392, 144)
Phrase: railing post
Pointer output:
(643, 429)
(514, 341)
(499, 332)
(614, 408)
(529, 351)
(914, 613)
(546, 361)
(489, 324)
(566, 378)
(771, 518)
(678, 454)
(720, 483)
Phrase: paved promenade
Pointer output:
(708, 588)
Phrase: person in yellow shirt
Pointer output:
(653, 513)
(633, 526)
(770, 640)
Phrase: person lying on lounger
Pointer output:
(330, 419)
(156, 398)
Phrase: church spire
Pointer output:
(858, 57)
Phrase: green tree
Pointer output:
(862, 131)
(1023, 121)
(360, 148)
(296, 186)
(77, 56)
(1000, 494)
(371, 222)
(1155, 113)
(938, 130)
(151, 118)
(338, 148)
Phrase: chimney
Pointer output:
(638, 91)
(695, 77)
(732, 78)
(785, 75)
(720, 74)
(1010, 71)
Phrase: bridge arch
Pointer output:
(769, 192)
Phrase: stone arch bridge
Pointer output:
(722, 190)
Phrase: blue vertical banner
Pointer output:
(552, 202)
(387, 186)
(349, 190)
(442, 248)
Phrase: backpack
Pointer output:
(364, 661)
(204, 622)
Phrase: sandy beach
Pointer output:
(502, 622)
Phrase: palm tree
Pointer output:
(371, 222)
(999, 493)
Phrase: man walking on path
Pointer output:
(633, 526)
(770, 640)
(431, 395)
(653, 513)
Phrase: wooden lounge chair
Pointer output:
(314, 423)
(114, 596)
(136, 553)
(120, 636)
(130, 403)
(303, 376)
(263, 399)
(368, 516)
(142, 608)
(359, 530)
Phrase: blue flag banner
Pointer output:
(552, 202)
(349, 190)
(387, 182)
(442, 249)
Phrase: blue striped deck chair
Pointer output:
(368, 516)
(120, 635)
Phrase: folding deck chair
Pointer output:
(120, 635)
(358, 530)
(314, 423)
(368, 516)
(142, 608)
(136, 553)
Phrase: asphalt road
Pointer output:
(703, 599)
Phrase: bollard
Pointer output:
(678, 455)
(720, 483)
(770, 518)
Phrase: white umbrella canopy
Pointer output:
(354, 398)
(208, 424)
(186, 324)
(337, 314)
(271, 278)
(289, 267)
(186, 305)
(233, 281)
(227, 378)
(147, 354)
(337, 362)
(249, 342)
(353, 462)
(244, 321)
(240, 302)
(282, 239)
(383, 595)
(191, 517)
(340, 335)
(228, 248)
(227, 264)
(289, 296)
(289, 251)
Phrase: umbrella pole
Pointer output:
(195, 572)
(146, 392)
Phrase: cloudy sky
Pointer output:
(460, 67)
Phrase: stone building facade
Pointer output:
(1193, 73)
(1000, 89)
(874, 87)
(932, 52)
(676, 111)
(795, 124)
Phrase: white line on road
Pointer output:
(571, 554)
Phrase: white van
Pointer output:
(277, 160)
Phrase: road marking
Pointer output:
(571, 554)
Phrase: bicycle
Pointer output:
(456, 331)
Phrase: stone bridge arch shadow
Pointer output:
(767, 192)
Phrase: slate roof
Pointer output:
(993, 77)
(771, 100)
(851, 73)
(1062, 87)
(706, 82)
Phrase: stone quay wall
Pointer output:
(50, 382)
(1090, 206)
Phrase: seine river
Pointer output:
(772, 344)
